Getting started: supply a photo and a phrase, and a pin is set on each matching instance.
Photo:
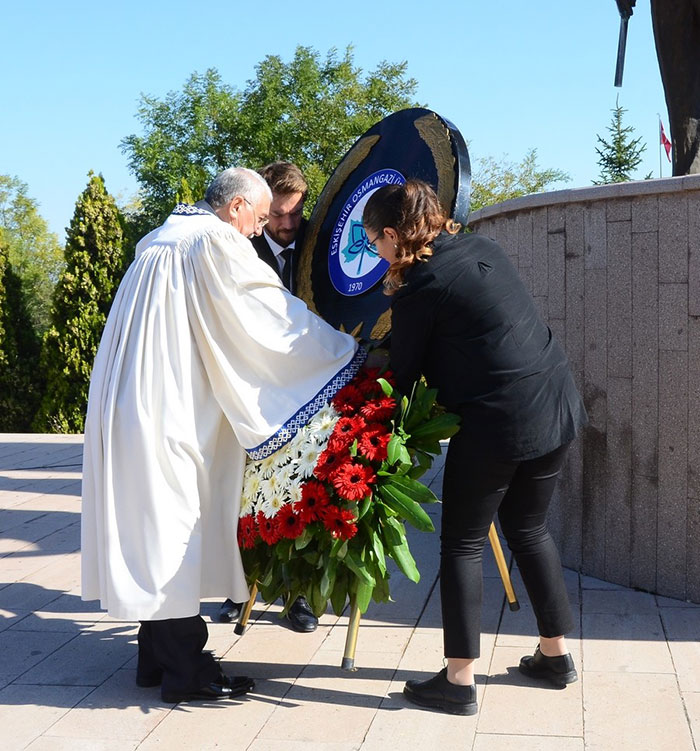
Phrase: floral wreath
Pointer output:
(321, 516)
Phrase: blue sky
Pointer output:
(510, 74)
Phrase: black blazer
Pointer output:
(465, 320)
(264, 251)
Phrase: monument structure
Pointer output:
(677, 36)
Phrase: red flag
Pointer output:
(664, 141)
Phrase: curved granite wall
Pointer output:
(615, 270)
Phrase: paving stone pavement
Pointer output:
(67, 669)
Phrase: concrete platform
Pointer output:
(67, 670)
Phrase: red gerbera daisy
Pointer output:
(346, 430)
(348, 400)
(339, 522)
(366, 380)
(247, 533)
(374, 441)
(369, 374)
(329, 461)
(369, 387)
(290, 523)
(268, 527)
(352, 481)
(378, 409)
(314, 498)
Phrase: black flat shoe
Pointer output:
(225, 687)
(438, 693)
(559, 671)
(301, 617)
(229, 611)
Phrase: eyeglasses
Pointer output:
(261, 221)
(372, 242)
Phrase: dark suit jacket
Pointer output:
(265, 253)
(465, 320)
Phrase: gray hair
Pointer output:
(236, 181)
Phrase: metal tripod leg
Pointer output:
(245, 613)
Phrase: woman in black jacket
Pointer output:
(462, 317)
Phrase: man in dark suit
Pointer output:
(282, 236)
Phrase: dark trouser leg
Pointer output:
(471, 493)
(148, 671)
(175, 646)
(473, 490)
(523, 517)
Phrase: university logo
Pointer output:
(354, 265)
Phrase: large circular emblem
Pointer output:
(339, 272)
(354, 265)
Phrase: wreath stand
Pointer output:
(348, 662)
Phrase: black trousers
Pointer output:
(474, 489)
(170, 651)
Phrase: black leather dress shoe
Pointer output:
(301, 616)
(438, 693)
(559, 671)
(229, 611)
(224, 687)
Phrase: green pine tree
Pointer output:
(20, 386)
(81, 302)
(619, 157)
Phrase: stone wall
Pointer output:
(615, 271)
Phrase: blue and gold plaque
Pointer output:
(339, 274)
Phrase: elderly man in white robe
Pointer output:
(205, 358)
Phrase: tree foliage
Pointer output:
(308, 111)
(81, 302)
(34, 253)
(493, 181)
(622, 154)
(19, 351)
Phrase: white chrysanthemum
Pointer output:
(266, 466)
(296, 444)
(270, 506)
(285, 476)
(294, 493)
(251, 485)
(269, 486)
(286, 454)
(247, 505)
(327, 410)
(307, 461)
(322, 424)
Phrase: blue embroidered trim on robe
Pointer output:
(185, 209)
(304, 415)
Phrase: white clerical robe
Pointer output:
(205, 356)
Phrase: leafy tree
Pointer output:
(81, 302)
(308, 111)
(620, 156)
(34, 253)
(19, 352)
(493, 182)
